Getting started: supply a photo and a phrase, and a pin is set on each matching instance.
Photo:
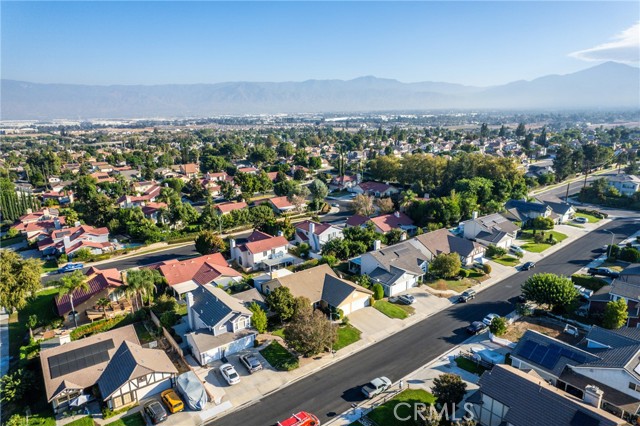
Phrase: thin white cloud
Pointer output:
(624, 47)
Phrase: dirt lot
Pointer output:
(547, 326)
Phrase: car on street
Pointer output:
(376, 386)
(229, 374)
(528, 265)
(251, 362)
(487, 320)
(581, 220)
(605, 272)
(172, 401)
(476, 327)
(517, 249)
(156, 412)
(300, 419)
(70, 267)
(335, 205)
(406, 299)
(466, 296)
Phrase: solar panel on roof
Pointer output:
(527, 349)
(538, 353)
(78, 359)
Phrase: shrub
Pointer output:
(169, 319)
(495, 251)
(108, 412)
(378, 291)
(102, 325)
(464, 273)
(165, 303)
(486, 268)
(345, 321)
(498, 326)
(587, 281)
(538, 238)
(630, 254)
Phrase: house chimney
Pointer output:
(426, 196)
(403, 237)
(232, 244)
(312, 228)
(45, 212)
(593, 395)
(474, 215)
(56, 223)
(29, 211)
(376, 245)
(396, 214)
(66, 241)
(192, 322)
(280, 234)
(77, 223)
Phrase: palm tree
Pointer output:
(70, 284)
(140, 282)
(103, 302)
(407, 198)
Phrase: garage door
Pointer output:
(230, 349)
(359, 303)
(153, 389)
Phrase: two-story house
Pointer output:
(260, 251)
(220, 324)
(524, 211)
(184, 276)
(70, 240)
(40, 224)
(627, 287)
(315, 234)
(490, 229)
(625, 184)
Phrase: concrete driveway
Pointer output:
(371, 322)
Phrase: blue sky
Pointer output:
(475, 43)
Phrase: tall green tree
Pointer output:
(143, 282)
(615, 314)
(208, 242)
(311, 333)
(446, 265)
(259, 318)
(19, 280)
(449, 390)
(549, 289)
(281, 301)
(70, 284)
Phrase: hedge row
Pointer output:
(587, 281)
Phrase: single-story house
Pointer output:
(443, 241)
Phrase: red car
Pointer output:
(301, 419)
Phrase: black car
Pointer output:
(156, 412)
(466, 296)
(476, 327)
(528, 265)
(605, 272)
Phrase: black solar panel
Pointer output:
(80, 358)
(538, 353)
(527, 349)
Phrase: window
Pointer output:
(142, 380)
(264, 253)
(634, 386)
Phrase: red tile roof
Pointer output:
(199, 269)
(97, 280)
(189, 168)
(357, 220)
(265, 244)
(320, 227)
(281, 202)
(374, 186)
(231, 205)
(390, 221)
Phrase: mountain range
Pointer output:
(605, 86)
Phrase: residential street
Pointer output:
(333, 390)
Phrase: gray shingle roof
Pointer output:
(625, 289)
(533, 402)
(214, 305)
(443, 241)
(402, 256)
(498, 222)
(335, 290)
(559, 208)
(623, 349)
(525, 206)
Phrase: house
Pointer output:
(148, 196)
(324, 289)
(508, 396)
(102, 283)
(344, 182)
(384, 223)
(523, 211)
(74, 368)
(627, 287)
(59, 197)
(220, 324)
(376, 189)
(70, 240)
(443, 241)
(564, 212)
(135, 373)
(189, 170)
(625, 184)
(490, 229)
(315, 234)
(226, 208)
(40, 224)
(260, 251)
(102, 177)
(248, 297)
(187, 275)
(607, 359)
(398, 267)
(281, 204)
(153, 210)
(248, 169)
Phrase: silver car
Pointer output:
(251, 362)
(229, 374)
(376, 386)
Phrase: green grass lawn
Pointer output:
(131, 420)
(347, 335)
(470, 366)
(83, 421)
(279, 357)
(11, 241)
(143, 333)
(455, 285)
(278, 332)
(393, 310)
(539, 247)
(590, 218)
(506, 260)
(384, 414)
(43, 306)
(49, 266)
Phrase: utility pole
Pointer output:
(566, 197)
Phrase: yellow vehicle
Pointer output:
(172, 401)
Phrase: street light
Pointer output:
(610, 245)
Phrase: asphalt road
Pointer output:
(574, 188)
(333, 390)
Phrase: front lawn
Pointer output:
(279, 357)
(590, 218)
(539, 247)
(385, 414)
(42, 306)
(455, 285)
(135, 419)
(506, 260)
(470, 366)
(83, 421)
(347, 334)
(392, 310)
(278, 332)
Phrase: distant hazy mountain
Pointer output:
(609, 85)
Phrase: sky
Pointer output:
(169, 42)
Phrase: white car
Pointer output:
(517, 249)
(376, 386)
(581, 220)
(487, 320)
(230, 374)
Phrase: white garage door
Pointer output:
(230, 349)
(153, 389)
(359, 304)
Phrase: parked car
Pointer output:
(476, 327)
(487, 320)
(376, 386)
(406, 299)
(156, 412)
(528, 265)
(300, 419)
(517, 249)
(584, 292)
(466, 296)
(251, 362)
(229, 374)
(172, 401)
(605, 272)
(70, 267)
(581, 220)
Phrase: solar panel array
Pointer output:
(548, 356)
(80, 358)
